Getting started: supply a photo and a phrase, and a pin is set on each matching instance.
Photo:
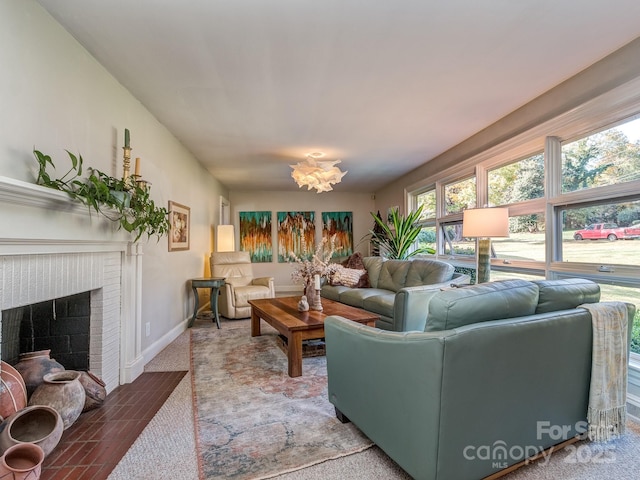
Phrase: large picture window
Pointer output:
(602, 233)
(459, 196)
(574, 209)
(517, 182)
(605, 158)
(428, 202)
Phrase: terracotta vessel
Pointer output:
(62, 391)
(13, 391)
(33, 366)
(22, 462)
(94, 389)
(38, 424)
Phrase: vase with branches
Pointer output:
(319, 263)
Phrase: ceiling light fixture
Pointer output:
(318, 174)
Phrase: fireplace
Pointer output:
(69, 253)
(61, 325)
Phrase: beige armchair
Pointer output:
(240, 286)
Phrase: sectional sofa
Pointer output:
(398, 290)
(501, 373)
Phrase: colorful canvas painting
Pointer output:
(296, 235)
(255, 236)
(339, 224)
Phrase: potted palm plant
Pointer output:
(397, 239)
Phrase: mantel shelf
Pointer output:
(32, 195)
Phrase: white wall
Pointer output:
(55, 96)
(360, 204)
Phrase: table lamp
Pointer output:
(225, 239)
(484, 224)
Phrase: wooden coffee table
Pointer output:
(283, 315)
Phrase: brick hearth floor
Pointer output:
(92, 447)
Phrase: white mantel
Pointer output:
(52, 246)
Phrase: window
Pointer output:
(526, 239)
(497, 275)
(454, 243)
(602, 233)
(427, 237)
(605, 158)
(460, 196)
(517, 182)
(428, 202)
(630, 295)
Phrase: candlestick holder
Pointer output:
(126, 162)
(317, 304)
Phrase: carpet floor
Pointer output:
(166, 448)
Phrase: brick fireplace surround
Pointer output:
(51, 247)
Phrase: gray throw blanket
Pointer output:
(607, 410)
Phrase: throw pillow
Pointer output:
(349, 277)
(355, 262)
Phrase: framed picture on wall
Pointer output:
(339, 226)
(255, 235)
(179, 234)
(296, 235)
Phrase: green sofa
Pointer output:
(501, 373)
(399, 291)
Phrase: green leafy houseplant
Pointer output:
(397, 241)
(125, 201)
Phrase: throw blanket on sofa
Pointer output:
(606, 414)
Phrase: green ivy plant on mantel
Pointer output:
(120, 200)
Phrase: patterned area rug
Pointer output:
(253, 421)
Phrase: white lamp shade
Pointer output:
(225, 239)
(485, 222)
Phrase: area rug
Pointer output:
(253, 421)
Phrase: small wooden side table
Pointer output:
(214, 283)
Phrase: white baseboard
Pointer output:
(156, 347)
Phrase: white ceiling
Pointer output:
(251, 86)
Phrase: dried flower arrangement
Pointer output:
(318, 264)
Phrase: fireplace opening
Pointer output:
(61, 325)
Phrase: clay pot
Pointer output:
(38, 424)
(33, 366)
(62, 391)
(94, 389)
(13, 391)
(22, 462)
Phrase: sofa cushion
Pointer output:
(332, 292)
(566, 294)
(380, 304)
(479, 303)
(427, 272)
(356, 296)
(373, 265)
(393, 274)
